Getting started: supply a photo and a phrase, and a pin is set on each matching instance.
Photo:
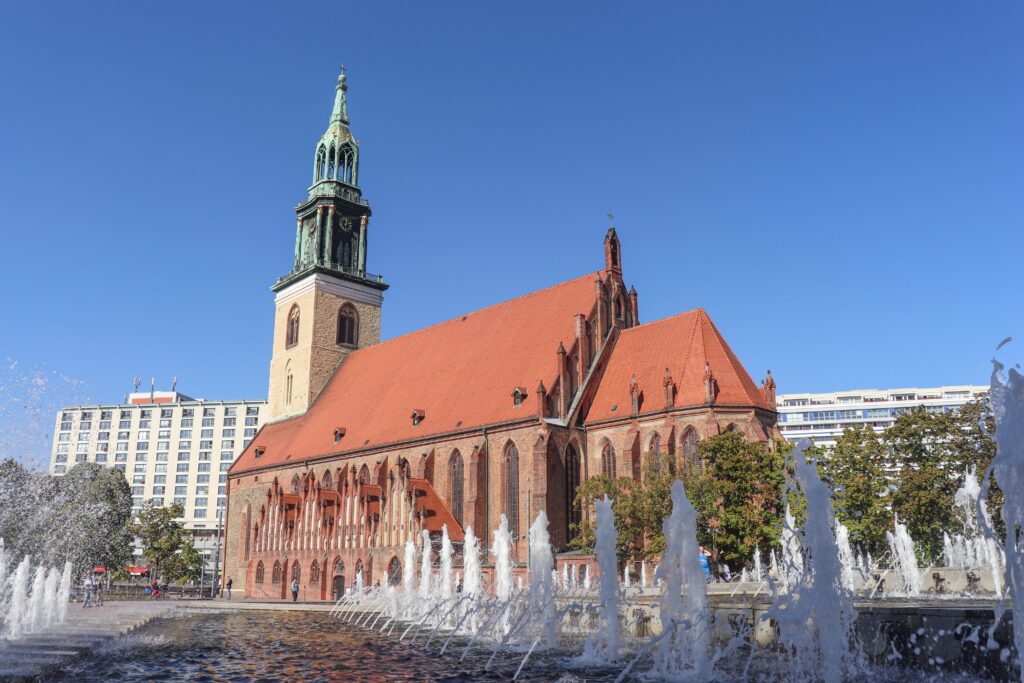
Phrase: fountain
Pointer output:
(425, 565)
(904, 558)
(684, 647)
(541, 598)
(446, 563)
(502, 551)
(1008, 467)
(603, 645)
(814, 615)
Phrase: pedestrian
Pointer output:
(229, 587)
(87, 586)
(163, 589)
(704, 565)
(295, 590)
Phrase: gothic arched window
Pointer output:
(330, 163)
(618, 308)
(275, 576)
(328, 482)
(292, 328)
(656, 453)
(572, 482)
(455, 470)
(259, 572)
(296, 572)
(608, 460)
(321, 163)
(314, 573)
(511, 458)
(364, 475)
(394, 572)
(348, 329)
(689, 443)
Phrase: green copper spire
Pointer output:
(336, 162)
(340, 113)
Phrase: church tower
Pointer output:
(328, 305)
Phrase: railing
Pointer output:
(348, 270)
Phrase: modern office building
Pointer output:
(822, 417)
(172, 449)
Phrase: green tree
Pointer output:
(738, 496)
(932, 452)
(640, 509)
(166, 544)
(854, 468)
(83, 517)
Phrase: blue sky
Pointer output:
(838, 184)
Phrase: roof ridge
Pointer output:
(479, 310)
(662, 320)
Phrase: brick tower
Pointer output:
(328, 304)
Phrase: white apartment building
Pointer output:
(822, 417)
(172, 449)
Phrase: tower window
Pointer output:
(348, 327)
(330, 163)
(292, 330)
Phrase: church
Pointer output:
(501, 411)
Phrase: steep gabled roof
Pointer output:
(683, 344)
(460, 373)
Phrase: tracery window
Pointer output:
(292, 328)
(275, 576)
(456, 485)
(259, 572)
(512, 488)
(296, 572)
(314, 573)
(572, 482)
(656, 453)
(330, 163)
(347, 325)
(689, 443)
(608, 460)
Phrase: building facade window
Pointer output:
(456, 486)
(572, 482)
(608, 460)
(348, 325)
(689, 449)
(259, 572)
(511, 457)
(292, 329)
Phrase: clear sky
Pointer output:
(840, 185)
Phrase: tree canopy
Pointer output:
(83, 517)
(167, 545)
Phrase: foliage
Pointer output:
(854, 468)
(933, 450)
(639, 507)
(166, 544)
(83, 517)
(738, 496)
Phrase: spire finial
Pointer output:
(340, 111)
(611, 219)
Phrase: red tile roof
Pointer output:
(460, 373)
(683, 344)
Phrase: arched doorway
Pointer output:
(338, 580)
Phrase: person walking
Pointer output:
(703, 559)
(229, 587)
(295, 590)
(87, 586)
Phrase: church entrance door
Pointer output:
(338, 589)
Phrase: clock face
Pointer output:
(346, 223)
